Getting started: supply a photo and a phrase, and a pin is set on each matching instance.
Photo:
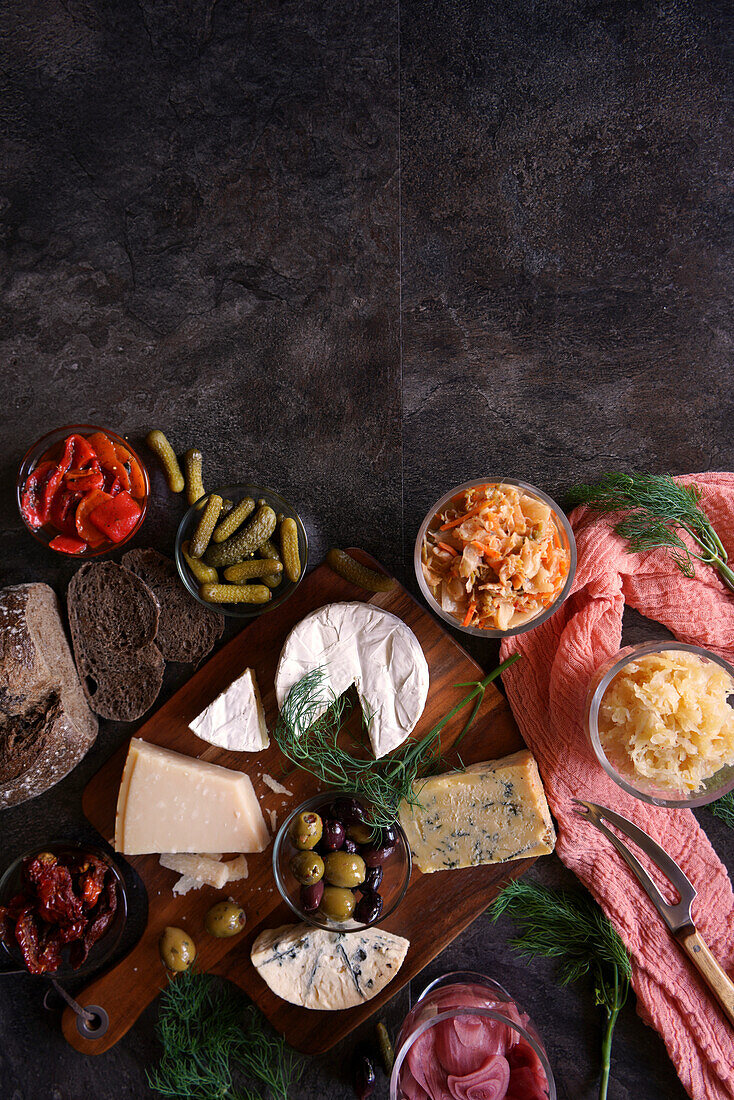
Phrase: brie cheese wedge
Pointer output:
(357, 643)
(327, 970)
(235, 720)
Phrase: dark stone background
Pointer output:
(361, 252)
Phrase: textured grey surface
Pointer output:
(210, 213)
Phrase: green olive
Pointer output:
(360, 834)
(306, 830)
(307, 867)
(337, 903)
(224, 919)
(177, 949)
(343, 869)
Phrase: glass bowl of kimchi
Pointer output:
(660, 719)
(495, 557)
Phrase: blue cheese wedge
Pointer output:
(358, 643)
(327, 970)
(489, 813)
(235, 720)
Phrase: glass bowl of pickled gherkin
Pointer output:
(241, 550)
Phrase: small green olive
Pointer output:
(224, 919)
(360, 834)
(306, 830)
(344, 869)
(337, 903)
(177, 949)
(307, 868)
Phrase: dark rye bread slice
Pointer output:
(186, 630)
(113, 617)
(46, 726)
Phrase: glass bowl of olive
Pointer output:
(334, 870)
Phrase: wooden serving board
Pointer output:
(436, 907)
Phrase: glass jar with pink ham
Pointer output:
(466, 1039)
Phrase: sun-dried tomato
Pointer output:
(58, 904)
(91, 882)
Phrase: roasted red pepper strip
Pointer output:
(32, 497)
(81, 481)
(116, 518)
(108, 458)
(63, 511)
(68, 544)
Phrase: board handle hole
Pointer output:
(95, 1027)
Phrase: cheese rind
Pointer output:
(174, 803)
(235, 720)
(327, 970)
(489, 813)
(358, 643)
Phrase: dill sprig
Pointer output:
(658, 509)
(724, 808)
(571, 928)
(209, 1033)
(312, 721)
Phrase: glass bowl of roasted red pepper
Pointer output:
(62, 910)
(82, 490)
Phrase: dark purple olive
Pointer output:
(364, 1075)
(311, 897)
(350, 846)
(389, 836)
(372, 879)
(369, 907)
(373, 857)
(347, 810)
(334, 836)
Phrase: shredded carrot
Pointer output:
(460, 519)
(451, 550)
(468, 617)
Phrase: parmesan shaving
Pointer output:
(209, 871)
(185, 884)
(236, 869)
(275, 785)
(273, 821)
(665, 718)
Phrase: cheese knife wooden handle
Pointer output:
(716, 979)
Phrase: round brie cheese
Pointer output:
(357, 643)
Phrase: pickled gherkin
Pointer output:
(234, 593)
(235, 519)
(289, 549)
(192, 472)
(203, 573)
(243, 542)
(271, 551)
(257, 567)
(354, 571)
(160, 447)
(203, 533)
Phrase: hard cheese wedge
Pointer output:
(489, 813)
(327, 970)
(174, 803)
(235, 720)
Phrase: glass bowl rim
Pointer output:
(90, 964)
(595, 694)
(310, 918)
(30, 461)
(244, 611)
(523, 628)
(466, 1010)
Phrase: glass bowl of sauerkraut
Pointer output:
(660, 718)
(495, 557)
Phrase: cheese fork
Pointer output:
(677, 917)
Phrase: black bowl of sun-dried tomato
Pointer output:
(62, 910)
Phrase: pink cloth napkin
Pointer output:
(547, 690)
